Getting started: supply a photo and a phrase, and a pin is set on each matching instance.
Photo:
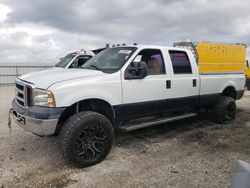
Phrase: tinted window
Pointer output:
(180, 62)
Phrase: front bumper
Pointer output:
(41, 121)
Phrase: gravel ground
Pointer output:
(190, 153)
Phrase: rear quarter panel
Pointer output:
(214, 84)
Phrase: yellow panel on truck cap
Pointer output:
(216, 57)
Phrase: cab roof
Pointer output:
(153, 47)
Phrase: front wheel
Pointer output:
(86, 138)
(225, 109)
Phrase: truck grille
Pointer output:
(23, 93)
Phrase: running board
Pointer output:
(131, 127)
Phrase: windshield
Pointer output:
(110, 60)
(65, 61)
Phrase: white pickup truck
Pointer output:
(75, 59)
(125, 87)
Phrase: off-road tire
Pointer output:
(224, 111)
(87, 131)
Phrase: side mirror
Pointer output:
(137, 59)
(137, 70)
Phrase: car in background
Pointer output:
(77, 59)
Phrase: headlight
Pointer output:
(43, 97)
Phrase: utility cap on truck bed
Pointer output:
(215, 57)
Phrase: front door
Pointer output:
(142, 97)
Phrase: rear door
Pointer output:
(184, 80)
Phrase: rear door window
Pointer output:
(180, 62)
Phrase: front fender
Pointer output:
(106, 87)
(75, 97)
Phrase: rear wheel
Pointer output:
(225, 109)
(86, 138)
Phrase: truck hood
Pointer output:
(44, 79)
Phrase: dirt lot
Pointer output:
(190, 153)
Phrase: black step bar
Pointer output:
(131, 127)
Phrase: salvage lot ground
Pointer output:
(190, 153)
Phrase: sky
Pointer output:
(43, 30)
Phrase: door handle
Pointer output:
(194, 83)
(168, 84)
